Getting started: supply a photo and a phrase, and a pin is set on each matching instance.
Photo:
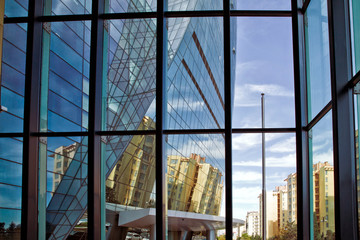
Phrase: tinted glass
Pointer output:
(191, 5)
(195, 183)
(13, 45)
(60, 7)
(195, 74)
(129, 170)
(129, 87)
(322, 179)
(14, 8)
(116, 6)
(64, 103)
(63, 179)
(10, 187)
(317, 57)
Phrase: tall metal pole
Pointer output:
(263, 207)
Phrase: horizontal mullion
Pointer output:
(11, 135)
(59, 134)
(263, 130)
(319, 116)
(256, 13)
(16, 20)
(65, 18)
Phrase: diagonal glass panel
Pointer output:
(194, 5)
(130, 6)
(12, 83)
(129, 73)
(64, 103)
(66, 7)
(195, 73)
(14, 8)
(63, 180)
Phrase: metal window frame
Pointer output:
(31, 132)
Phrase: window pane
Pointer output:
(261, 4)
(64, 80)
(355, 7)
(280, 184)
(129, 164)
(129, 86)
(196, 185)
(195, 74)
(116, 6)
(14, 8)
(192, 5)
(357, 145)
(63, 178)
(61, 7)
(13, 45)
(10, 187)
(264, 64)
(317, 57)
(322, 209)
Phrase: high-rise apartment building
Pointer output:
(253, 223)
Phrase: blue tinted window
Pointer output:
(14, 9)
(60, 124)
(13, 102)
(64, 89)
(12, 79)
(13, 56)
(16, 35)
(10, 123)
(10, 196)
(10, 172)
(65, 52)
(11, 149)
(64, 70)
(64, 108)
(68, 36)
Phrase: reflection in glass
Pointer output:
(116, 6)
(195, 186)
(14, 8)
(317, 57)
(195, 79)
(130, 185)
(63, 176)
(194, 5)
(264, 64)
(65, 77)
(322, 179)
(10, 187)
(12, 82)
(61, 7)
(129, 86)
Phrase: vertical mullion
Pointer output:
(346, 222)
(94, 147)
(302, 156)
(161, 54)
(228, 126)
(29, 212)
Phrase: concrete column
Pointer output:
(186, 235)
(210, 234)
(115, 232)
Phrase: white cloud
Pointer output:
(246, 195)
(324, 156)
(248, 176)
(246, 141)
(283, 146)
(280, 162)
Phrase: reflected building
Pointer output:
(62, 159)
(194, 185)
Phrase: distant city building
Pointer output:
(253, 223)
(291, 194)
(323, 196)
(271, 214)
(281, 193)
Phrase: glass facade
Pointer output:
(146, 119)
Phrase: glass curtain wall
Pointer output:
(143, 119)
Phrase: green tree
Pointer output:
(245, 236)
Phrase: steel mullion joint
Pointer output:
(161, 102)
(228, 120)
(94, 146)
(29, 211)
(302, 147)
(346, 219)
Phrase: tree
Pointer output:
(289, 232)
(245, 236)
